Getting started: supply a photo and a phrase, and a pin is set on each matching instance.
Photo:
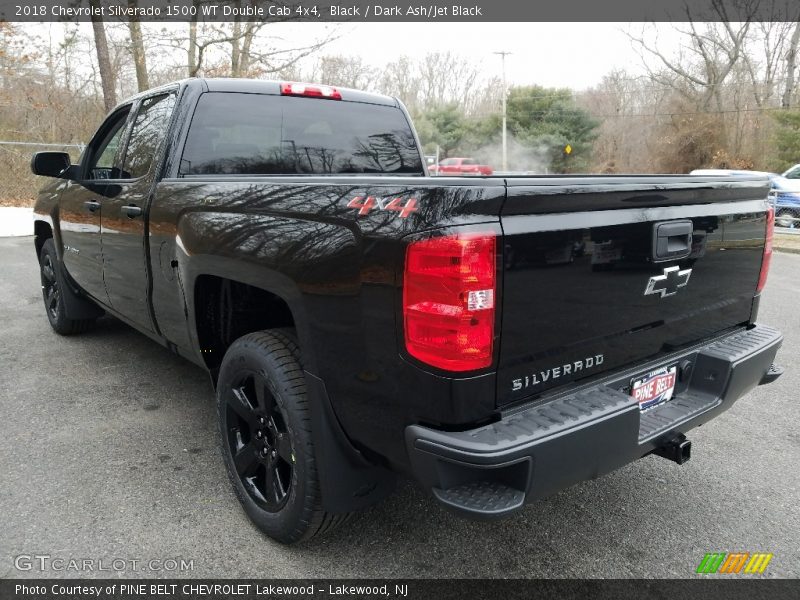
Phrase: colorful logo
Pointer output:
(365, 205)
(734, 562)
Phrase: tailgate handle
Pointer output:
(672, 240)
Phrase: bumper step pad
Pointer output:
(553, 417)
(677, 410)
(719, 369)
(482, 497)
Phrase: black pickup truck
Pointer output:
(495, 338)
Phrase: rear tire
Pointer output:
(54, 288)
(265, 429)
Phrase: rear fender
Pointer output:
(293, 259)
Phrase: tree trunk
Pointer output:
(236, 39)
(791, 66)
(247, 42)
(137, 49)
(103, 61)
(192, 50)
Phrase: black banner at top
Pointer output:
(400, 10)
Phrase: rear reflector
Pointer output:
(310, 90)
(449, 291)
(767, 257)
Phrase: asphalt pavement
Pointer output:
(109, 452)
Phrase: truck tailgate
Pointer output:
(601, 273)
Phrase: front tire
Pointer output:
(265, 428)
(54, 290)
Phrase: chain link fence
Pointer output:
(19, 186)
(787, 213)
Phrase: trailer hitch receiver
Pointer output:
(678, 450)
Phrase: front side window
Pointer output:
(259, 134)
(148, 131)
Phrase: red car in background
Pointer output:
(460, 166)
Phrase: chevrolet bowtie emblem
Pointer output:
(668, 283)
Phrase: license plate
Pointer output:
(654, 388)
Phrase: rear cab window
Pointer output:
(234, 133)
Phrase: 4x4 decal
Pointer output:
(365, 205)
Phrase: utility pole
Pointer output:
(503, 54)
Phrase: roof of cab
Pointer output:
(261, 86)
(252, 86)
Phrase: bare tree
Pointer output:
(791, 67)
(137, 50)
(764, 57)
(623, 104)
(401, 80)
(104, 63)
(244, 51)
(242, 43)
(191, 48)
(438, 79)
(446, 76)
(345, 71)
(702, 65)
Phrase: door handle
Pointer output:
(132, 210)
(92, 205)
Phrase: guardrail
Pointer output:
(18, 185)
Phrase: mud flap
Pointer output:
(348, 480)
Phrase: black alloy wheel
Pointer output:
(265, 425)
(259, 442)
(58, 295)
(50, 288)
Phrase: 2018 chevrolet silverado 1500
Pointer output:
(495, 338)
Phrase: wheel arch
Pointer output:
(228, 302)
(42, 231)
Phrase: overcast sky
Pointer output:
(574, 55)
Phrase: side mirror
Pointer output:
(50, 164)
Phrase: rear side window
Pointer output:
(149, 129)
(258, 134)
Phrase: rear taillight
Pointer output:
(310, 90)
(449, 293)
(767, 257)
